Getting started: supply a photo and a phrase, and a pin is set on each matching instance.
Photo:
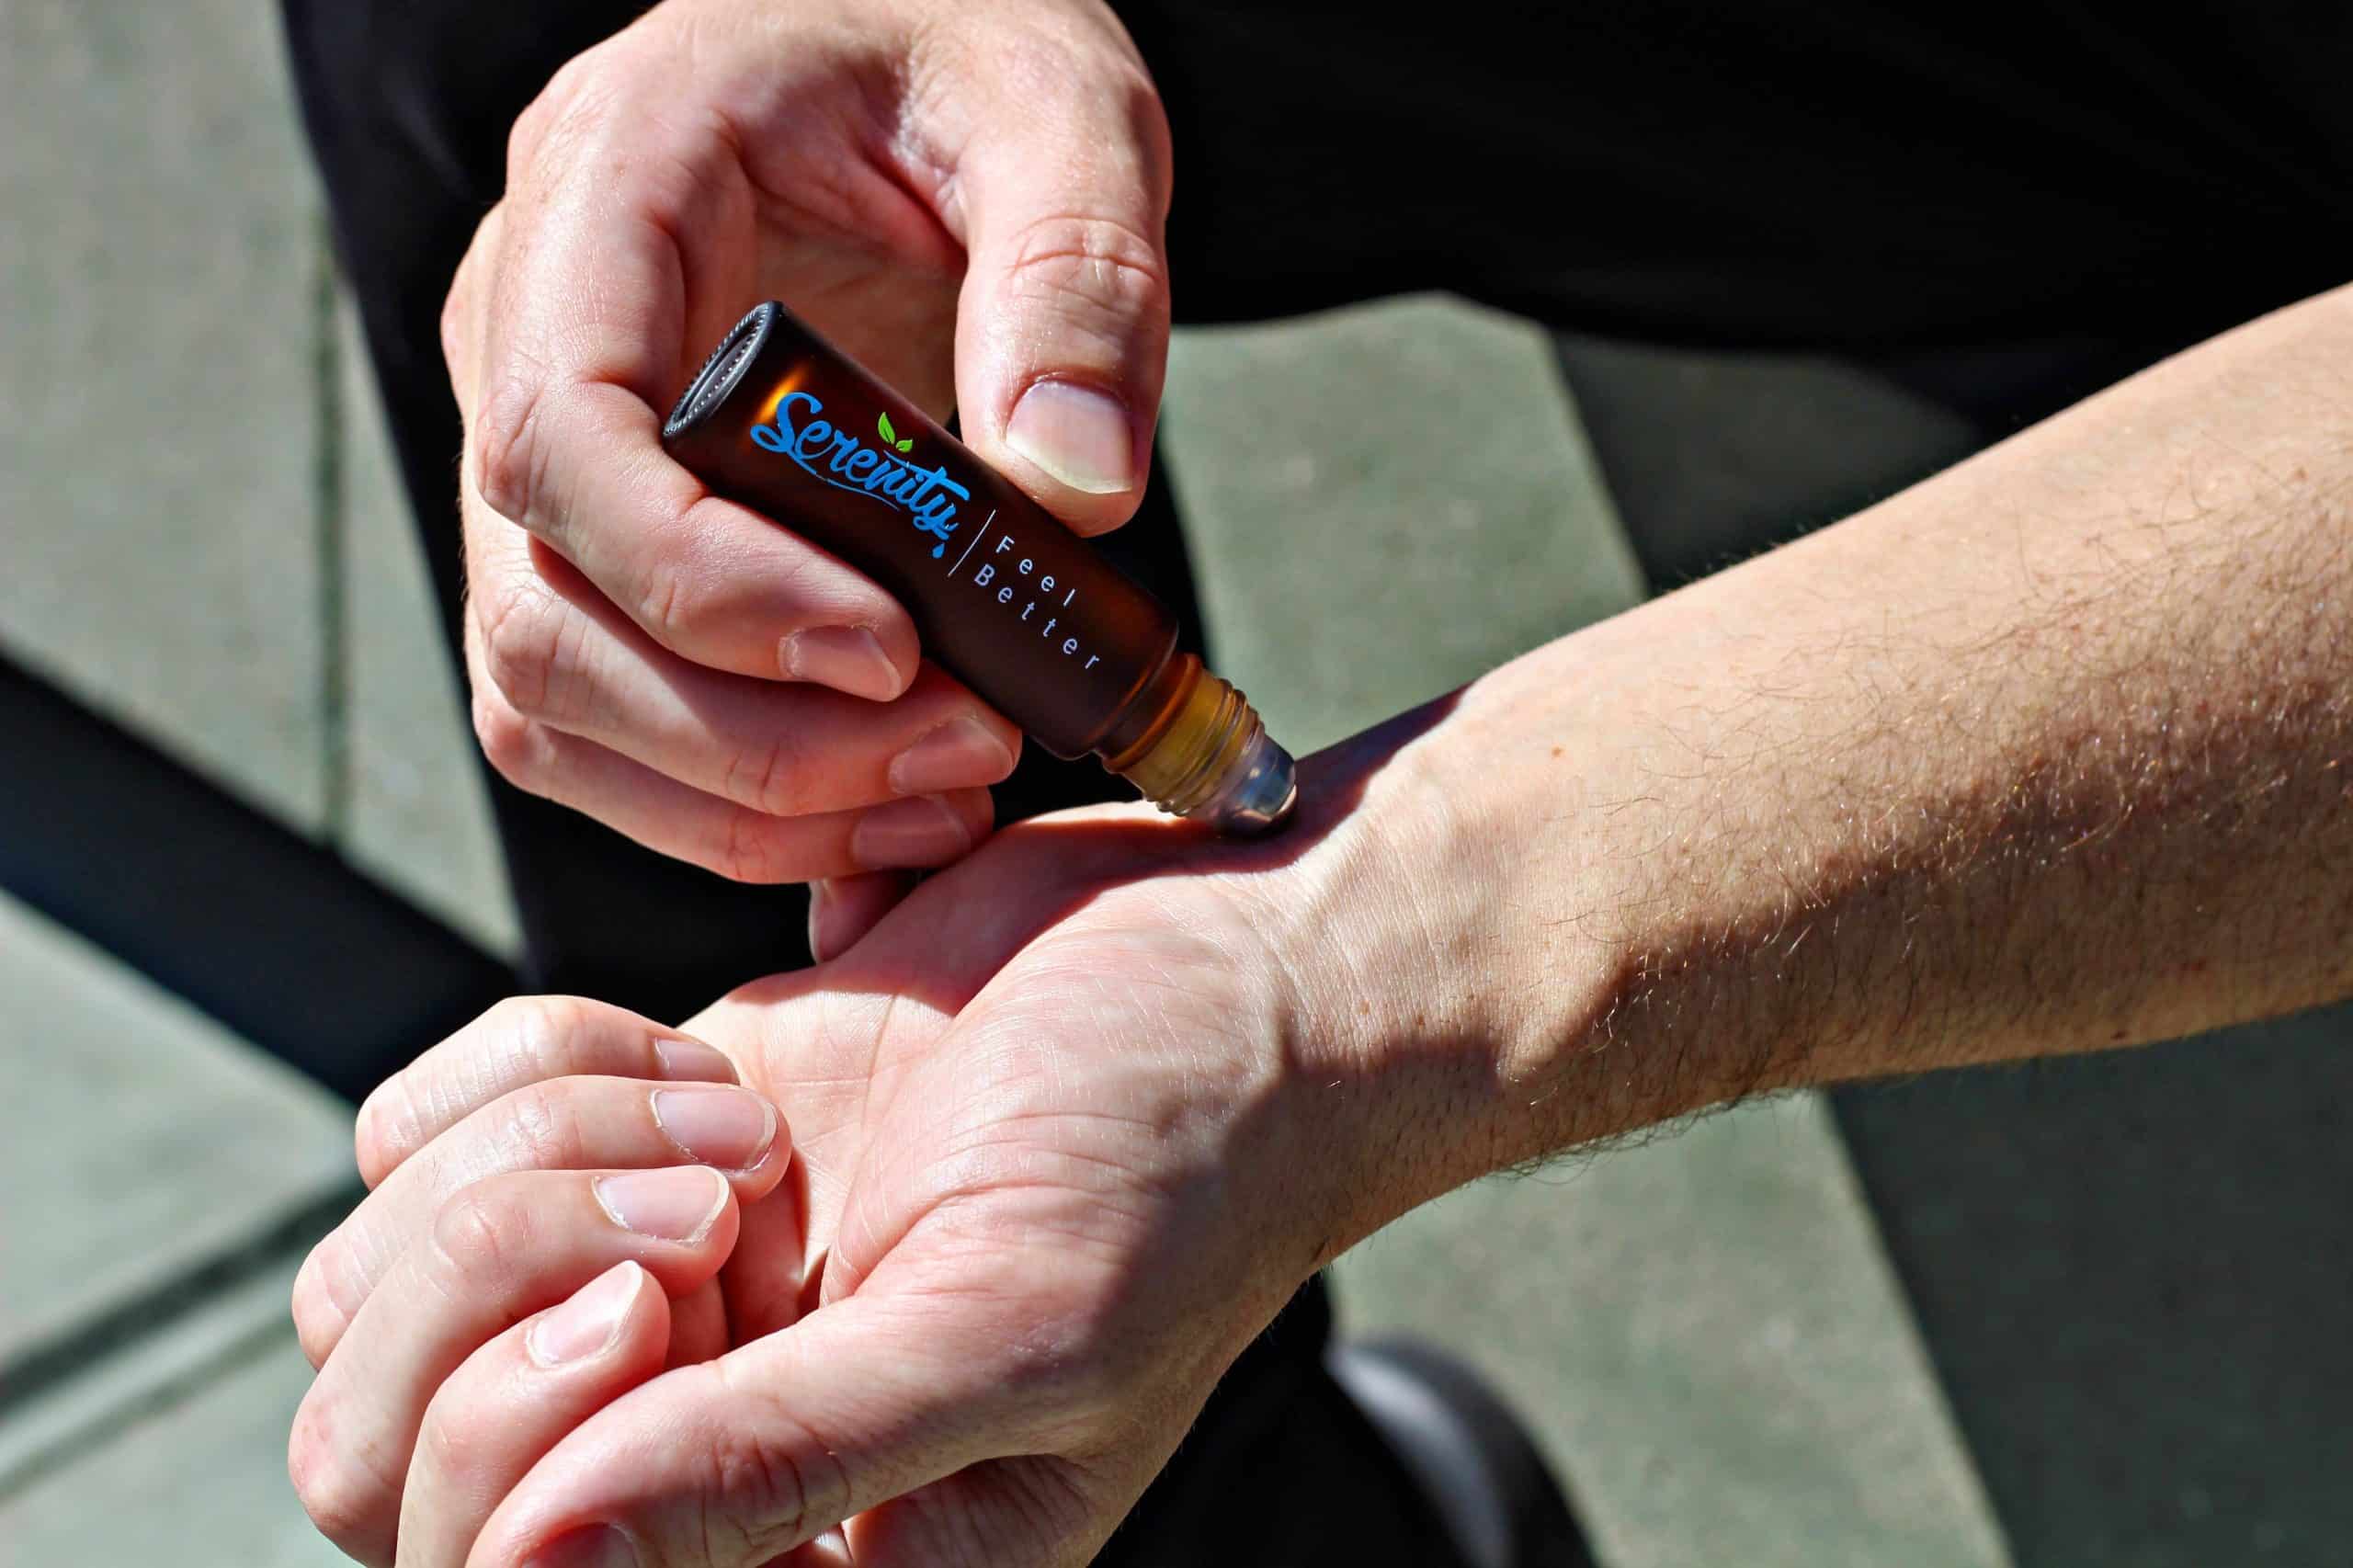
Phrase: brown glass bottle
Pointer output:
(1021, 608)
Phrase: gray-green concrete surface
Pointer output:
(142, 1138)
(181, 1459)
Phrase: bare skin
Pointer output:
(2047, 753)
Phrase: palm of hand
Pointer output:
(1026, 1107)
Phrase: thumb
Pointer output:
(764, 1449)
(1062, 336)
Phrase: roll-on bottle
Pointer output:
(1014, 604)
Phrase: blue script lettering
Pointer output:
(927, 495)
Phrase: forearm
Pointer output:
(2046, 754)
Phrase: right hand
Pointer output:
(969, 199)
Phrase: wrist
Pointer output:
(1481, 979)
(1399, 1004)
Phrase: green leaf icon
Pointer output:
(908, 445)
(883, 425)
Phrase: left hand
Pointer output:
(1069, 1125)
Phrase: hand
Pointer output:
(534, 1160)
(904, 175)
(1069, 1126)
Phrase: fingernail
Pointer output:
(598, 1546)
(921, 830)
(676, 1204)
(847, 658)
(819, 892)
(959, 754)
(1078, 435)
(693, 1060)
(719, 1127)
(578, 1328)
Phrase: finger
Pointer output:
(582, 307)
(462, 323)
(699, 1323)
(767, 1447)
(764, 1287)
(511, 1400)
(1061, 336)
(735, 841)
(520, 1042)
(560, 655)
(689, 824)
(843, 909)
(495, 1253)
(568, 1124)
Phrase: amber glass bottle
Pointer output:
(1021, 608)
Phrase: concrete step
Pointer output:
(146, 1141)
(177, 1455)
(1706, 1336)
(419, 813)
(1382, 503)
(161, 264)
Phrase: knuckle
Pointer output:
(1112, 272)
(389, 1128)
(525, 634)
(509, 457)
(339, 1497)
(513, 745)
(453, 321)
(662, 605)
(320, 1317)
(479, 1240)
(576, 101)
(542, 1129)
(455, 1441)
(541, 1035)
(749, 851)
(688, 598)
(771, 775)
(529, 131)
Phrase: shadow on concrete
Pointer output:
(272, 935)
(2135, 1274)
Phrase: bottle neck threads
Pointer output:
(1209, 758)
